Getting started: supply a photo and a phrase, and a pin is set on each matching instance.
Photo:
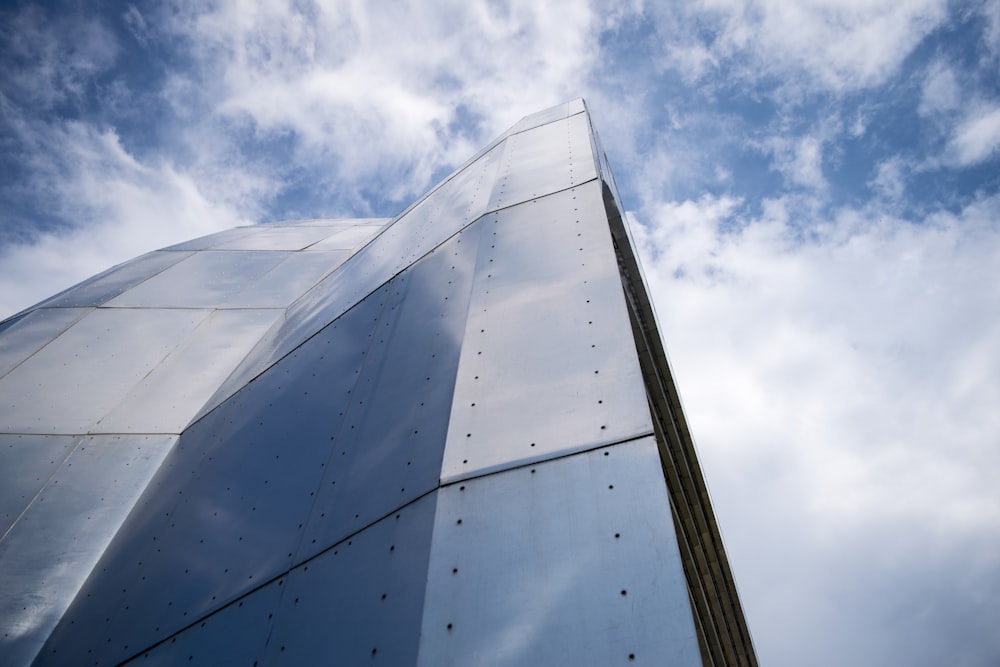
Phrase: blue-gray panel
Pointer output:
(207, 279)
(549, 364)
(389, 445)
(32, 331)
(360, 602)
(79, 377)
(567, 562)
(419, 230)
(230, 506)
(234, 635)
(544, 160)
(50, 551)
(109, 284)
(26, 464)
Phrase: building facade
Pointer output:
(448, 438)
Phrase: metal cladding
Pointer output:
(449, 438)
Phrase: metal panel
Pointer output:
(550, 115)
(234, 635)
(388, 448)
(340, 223)
(205, 280)
(544, 160)
(420, 229)
(361, 601)
(274, 237)
(210, 241)
(49, 552)
(289, 280)
(26, 464)
(230, 506)
(548, 364)
(83, 374)
(109, 284)
(170, 396)
(347, 239)
(29, 333)
(567, 562)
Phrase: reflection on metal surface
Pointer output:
(547, 339)
(446, 438)
(48, 553)
(28, 334)
(109, 284)
(204, 280)
(566, 562)
(79, 377)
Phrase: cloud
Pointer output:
(379, 93)
(889, 182)
(976, 138)
(51, 60)
(940, 91)
(841, 388)
(815, 45)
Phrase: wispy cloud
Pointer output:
(977, 137)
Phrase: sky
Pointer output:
(814, 187)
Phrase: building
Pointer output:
(447, 438)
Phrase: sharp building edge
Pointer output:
(447, 438)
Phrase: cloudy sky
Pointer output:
(815, 186)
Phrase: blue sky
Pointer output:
(814, 186)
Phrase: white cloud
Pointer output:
(799, 160)
(818, 44)
(940, 91)
(369, 92)
(843, 389)
(976, 138)
(890, 179)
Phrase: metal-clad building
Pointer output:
(449, 438)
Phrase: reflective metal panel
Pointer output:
(229, 509)
(548, 364)
(26, 463)
(340, 223)
(210, 241)
(567, 562)
(420, 229)
(170, 396)
(83, 374)
(544, 160)
(109, 284)
(205, 280)
(346, 239)
(550, 115)
(360, 602)
(273, 237)
(289, 280)
(49, 552)
(25, 336)
(388, 448)
(234, 635)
